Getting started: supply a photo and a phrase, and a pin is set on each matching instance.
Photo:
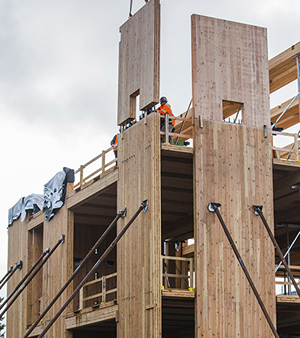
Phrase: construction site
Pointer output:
(198, 238)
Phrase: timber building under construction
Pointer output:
(197, 258)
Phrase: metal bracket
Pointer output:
(10, 268)
(265, 130)
(212, 205)
(19, 265)
(123, 212)
(62, 238)
(256, 208)
(47, 250)
(145, 205)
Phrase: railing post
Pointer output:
(296, 147)
(103, 289)
(167, 128)
(162, 271)
(81, 296)
(103, 161)
(191, 273)
(81, 176)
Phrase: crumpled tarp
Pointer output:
(33, 202)
(55, 192)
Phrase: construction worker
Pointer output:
(114, 144)
(164, 109)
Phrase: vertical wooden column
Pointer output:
(139, 251)
(232, 166)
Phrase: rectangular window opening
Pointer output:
(135, 105)
(232, 111)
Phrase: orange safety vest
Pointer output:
(115, 143)
(166, 109)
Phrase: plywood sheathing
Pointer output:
(283, 68)
(139, 55)
(232, 166)
(229, 62)
(138, 252)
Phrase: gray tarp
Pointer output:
(52, 200)
(55, 192)
(33, 202)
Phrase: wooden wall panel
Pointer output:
(138, 253)
(58, 268)
(16, 316)
(229, 62)
(233, 167)
(139, 60)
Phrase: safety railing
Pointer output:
(288, 152)
(100, 297)
(100, 168)
(185, 126)
(287, 287)
(189, 278)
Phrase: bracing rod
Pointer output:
(24, 278)
(18, 265)
(122, 213)
(8, 272)
(107, 251)
(258, 211)
(48, 255)
(214, 207)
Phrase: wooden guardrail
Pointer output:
(103, 167)
(104, 292)
(289, 152)
(295, 269)
(190, 277)
(185, 133)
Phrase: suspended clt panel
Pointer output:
(139, 57)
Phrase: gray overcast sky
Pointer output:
(59, 77)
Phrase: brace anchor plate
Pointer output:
(145, 205)
(123, 212)
(256, 208)
(212, 205)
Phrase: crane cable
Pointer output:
(130, 9)
(130, 15)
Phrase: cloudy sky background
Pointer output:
(59, 77)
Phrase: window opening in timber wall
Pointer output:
(232, 111)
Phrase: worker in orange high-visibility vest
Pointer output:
(114, 144)
(164, 109)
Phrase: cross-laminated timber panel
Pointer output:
(16, 318)
(229, 63)
(139, 50)
(58, 268)
(138, 252)
(232, 166)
